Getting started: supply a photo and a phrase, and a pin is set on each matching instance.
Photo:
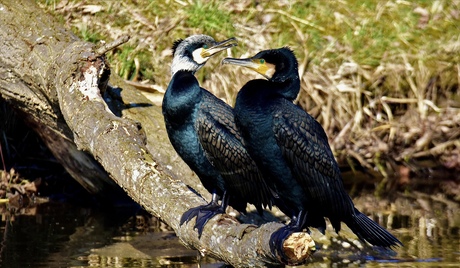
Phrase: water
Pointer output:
(63, 235)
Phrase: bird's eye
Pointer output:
(205, 46)
(261, 61)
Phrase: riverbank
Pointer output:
(382, 77)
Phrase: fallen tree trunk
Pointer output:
(103, 131)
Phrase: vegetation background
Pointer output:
(381, 76)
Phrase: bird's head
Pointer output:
(277, 65)
(192, 52)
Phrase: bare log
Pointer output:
(56, 81)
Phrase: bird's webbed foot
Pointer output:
(277, 238)
(203, 213)
(190, 214)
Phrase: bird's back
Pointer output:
(225, 148)
(306, 150)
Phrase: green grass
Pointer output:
(367, 33)
(88, 34)
(210, 18)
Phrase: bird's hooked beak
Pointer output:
(231, 42)
(258, 65)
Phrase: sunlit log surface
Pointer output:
(104, 132)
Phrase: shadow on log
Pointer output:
(107, 135)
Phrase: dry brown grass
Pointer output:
(381, 77)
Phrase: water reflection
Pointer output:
(428, 226)
(63, 235)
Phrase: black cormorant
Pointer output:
(291, 149)
(202, 130)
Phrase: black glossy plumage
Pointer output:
(202, 130)
(291, 149)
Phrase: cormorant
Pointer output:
(291, 149)
(202, 130)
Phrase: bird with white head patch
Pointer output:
(202, 130)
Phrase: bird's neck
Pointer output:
(263, 89)
(182, 95)
(180, 63)
(184, 87)
(288, 89)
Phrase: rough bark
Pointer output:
(29, 44)
(104, 132)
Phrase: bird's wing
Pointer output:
(224, 147)
(305, 148)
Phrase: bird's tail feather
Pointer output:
(368, 230)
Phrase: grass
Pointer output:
(381, 76)
(209, 17)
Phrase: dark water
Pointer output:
(62, 235)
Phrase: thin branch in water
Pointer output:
(3, 159)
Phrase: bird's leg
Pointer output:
(277, 238)
(214, 201)
(225, 200)
(300, 221)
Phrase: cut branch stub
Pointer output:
(297, 247)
